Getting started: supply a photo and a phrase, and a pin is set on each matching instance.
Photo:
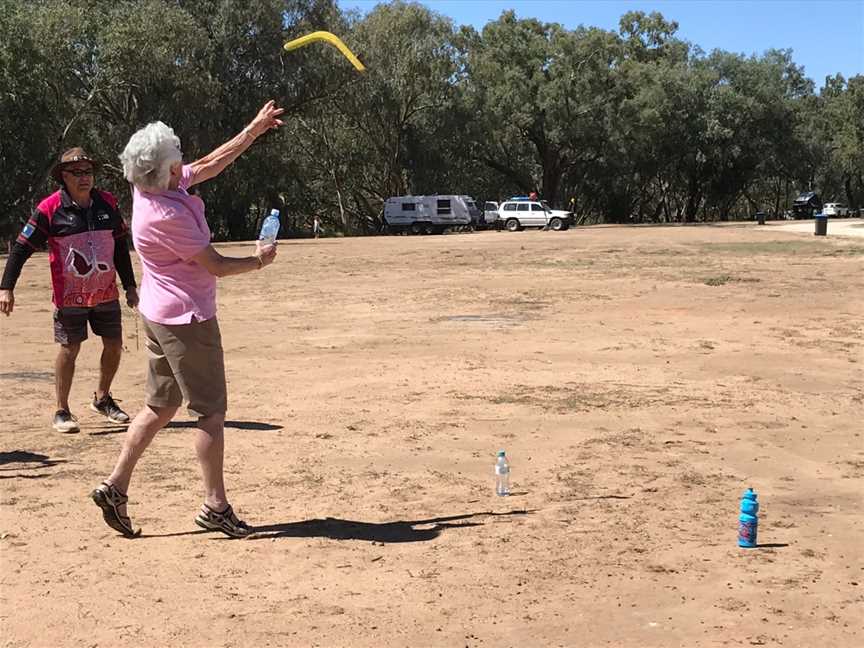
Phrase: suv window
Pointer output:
(537, 208)
(523, 207)
(510, 207)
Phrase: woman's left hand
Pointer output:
(267, 118)
(265, 253)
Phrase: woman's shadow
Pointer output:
(398, 531)
(339, 529)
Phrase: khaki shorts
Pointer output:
(185, 363)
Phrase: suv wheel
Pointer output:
(556, 224)
(512, 225)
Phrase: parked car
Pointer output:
(555, 212)
(806, 204)
(835, 209)
(518, 214)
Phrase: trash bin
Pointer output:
(760, 217)
(821, 225)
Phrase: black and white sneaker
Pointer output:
(109, 409)
(65, 422)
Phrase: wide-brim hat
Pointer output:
(71, 156)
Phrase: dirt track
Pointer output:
(836, 227)
(640, 379)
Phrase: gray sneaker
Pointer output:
(109, 409)
(65, 422)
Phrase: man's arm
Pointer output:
(32, 237)
(123, 263)
(215, 162)
(222, 266)
(122, 260)
(14, 264)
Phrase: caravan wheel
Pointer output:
(416, 228)
(429, 228)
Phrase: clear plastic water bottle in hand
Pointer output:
(270, 228)
(502, 475)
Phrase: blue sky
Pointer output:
(826, 36)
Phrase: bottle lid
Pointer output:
(274, 212)
(500, 453)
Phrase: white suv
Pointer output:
(835, 209)
(516, 214)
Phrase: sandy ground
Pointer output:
(640, 379)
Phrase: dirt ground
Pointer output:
(639, 378)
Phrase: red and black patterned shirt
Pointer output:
(87, 248)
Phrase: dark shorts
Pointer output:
(70, 322)
(185, 362)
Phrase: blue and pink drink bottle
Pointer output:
(748, 522)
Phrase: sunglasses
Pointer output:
(79, 173)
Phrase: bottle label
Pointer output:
(502, 470)
(747, 532)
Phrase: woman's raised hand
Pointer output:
(267, 118)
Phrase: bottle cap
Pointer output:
(274, 212)
(500, 453)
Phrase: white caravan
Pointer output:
(427, 214)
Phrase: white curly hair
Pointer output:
(148, 156)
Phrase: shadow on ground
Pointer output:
(36, 461)
(393, 532)
(236, 425)
(338, 529)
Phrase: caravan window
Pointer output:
(443, 207)
(409, 207)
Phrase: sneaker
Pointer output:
(109, 409)
(65, 422)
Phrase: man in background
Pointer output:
(87, 247)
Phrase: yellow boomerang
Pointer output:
(330, 38)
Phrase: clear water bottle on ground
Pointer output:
(270, 228)
(748, 521)
(502, 475)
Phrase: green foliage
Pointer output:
(634, 125)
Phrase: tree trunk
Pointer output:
(551, 180)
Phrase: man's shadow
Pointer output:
(391, 532)
(190, 425)
(35, 460)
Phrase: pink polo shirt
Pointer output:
(168, 229)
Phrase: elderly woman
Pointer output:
(178, 311)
